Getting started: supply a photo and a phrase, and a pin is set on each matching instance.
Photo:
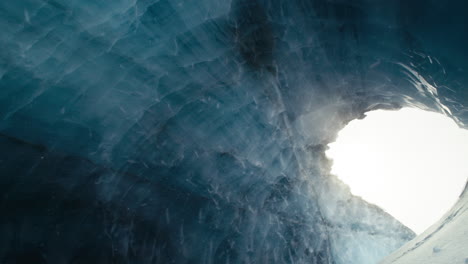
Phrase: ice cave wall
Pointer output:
(163, 131)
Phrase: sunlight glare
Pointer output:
(411, 163)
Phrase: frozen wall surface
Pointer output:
(170, 131)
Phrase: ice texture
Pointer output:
(167, 131)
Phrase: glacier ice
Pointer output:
(170, 131)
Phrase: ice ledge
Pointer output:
(444, 242)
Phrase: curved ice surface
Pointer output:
(167, 131)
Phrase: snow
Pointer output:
(444, 242)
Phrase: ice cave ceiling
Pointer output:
(167, 131)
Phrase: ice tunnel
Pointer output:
(183, 131)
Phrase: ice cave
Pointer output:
(195, 131)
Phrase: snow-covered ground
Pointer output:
(446, 242)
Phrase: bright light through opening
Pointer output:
(411, 163)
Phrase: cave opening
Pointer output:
(410, 162)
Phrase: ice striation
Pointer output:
(167, 131)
